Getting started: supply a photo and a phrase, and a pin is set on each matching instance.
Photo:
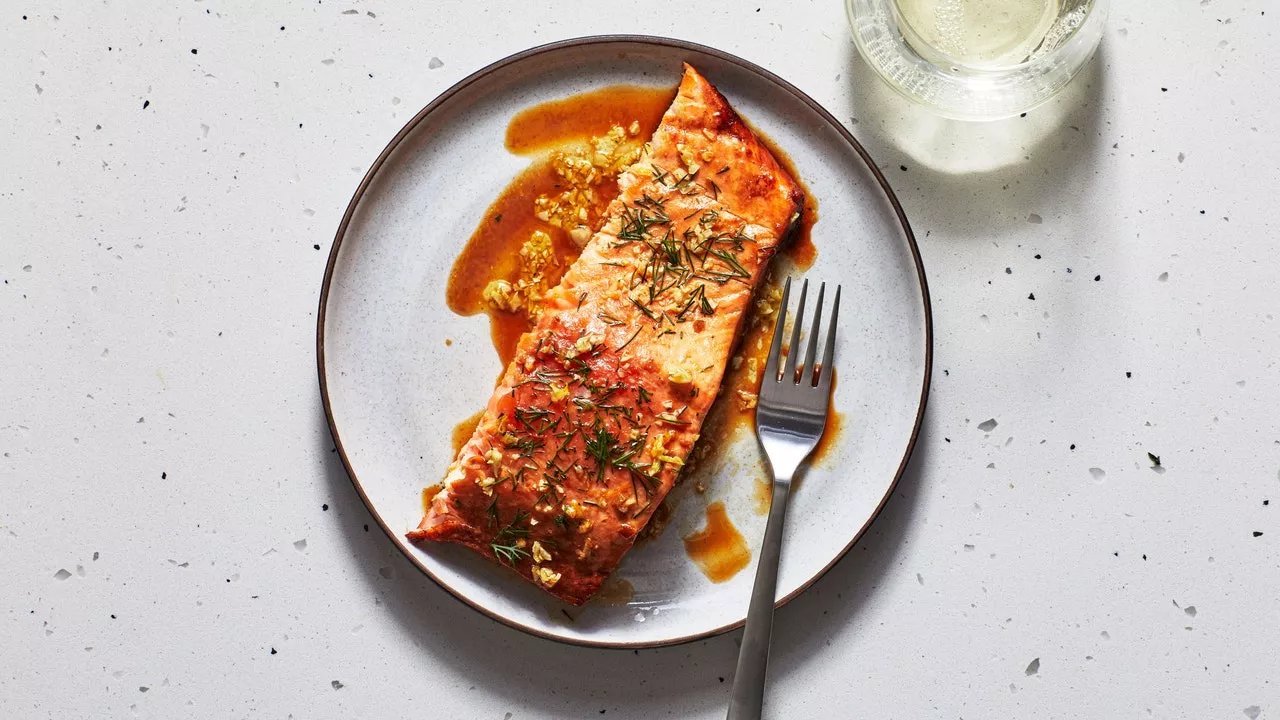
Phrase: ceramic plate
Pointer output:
(393, 390)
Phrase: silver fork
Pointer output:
(790, 419)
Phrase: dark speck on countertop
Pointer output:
(325, 507)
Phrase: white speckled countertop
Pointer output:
(178, 540)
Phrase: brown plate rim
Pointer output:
(444, 97)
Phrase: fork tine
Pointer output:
(810, 367)
(775, 349)
(793, 353)
(829, 370)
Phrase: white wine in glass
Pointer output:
(977, 59)
(978, 33)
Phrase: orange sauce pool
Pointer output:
(581, 116)
(493, 250)
(799, 249)
(718, 549)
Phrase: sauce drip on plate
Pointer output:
(718, 549)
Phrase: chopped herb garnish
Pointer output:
(643, 309)
(510, 553)
(628, 342)
(601, 447)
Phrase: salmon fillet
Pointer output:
(594, 418)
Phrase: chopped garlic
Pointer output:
(540, 553)
(679, 375)
(455, 473)
(545, 575)
(501, 295)
(537, 253)
(581, 170)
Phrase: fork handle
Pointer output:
(747, 700)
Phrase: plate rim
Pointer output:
(665, 42)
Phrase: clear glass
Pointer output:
(977, 59)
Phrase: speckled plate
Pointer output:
(393, 390)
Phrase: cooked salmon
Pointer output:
(605, 398)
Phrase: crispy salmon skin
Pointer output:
(605, 398)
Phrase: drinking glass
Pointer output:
(977, 59)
